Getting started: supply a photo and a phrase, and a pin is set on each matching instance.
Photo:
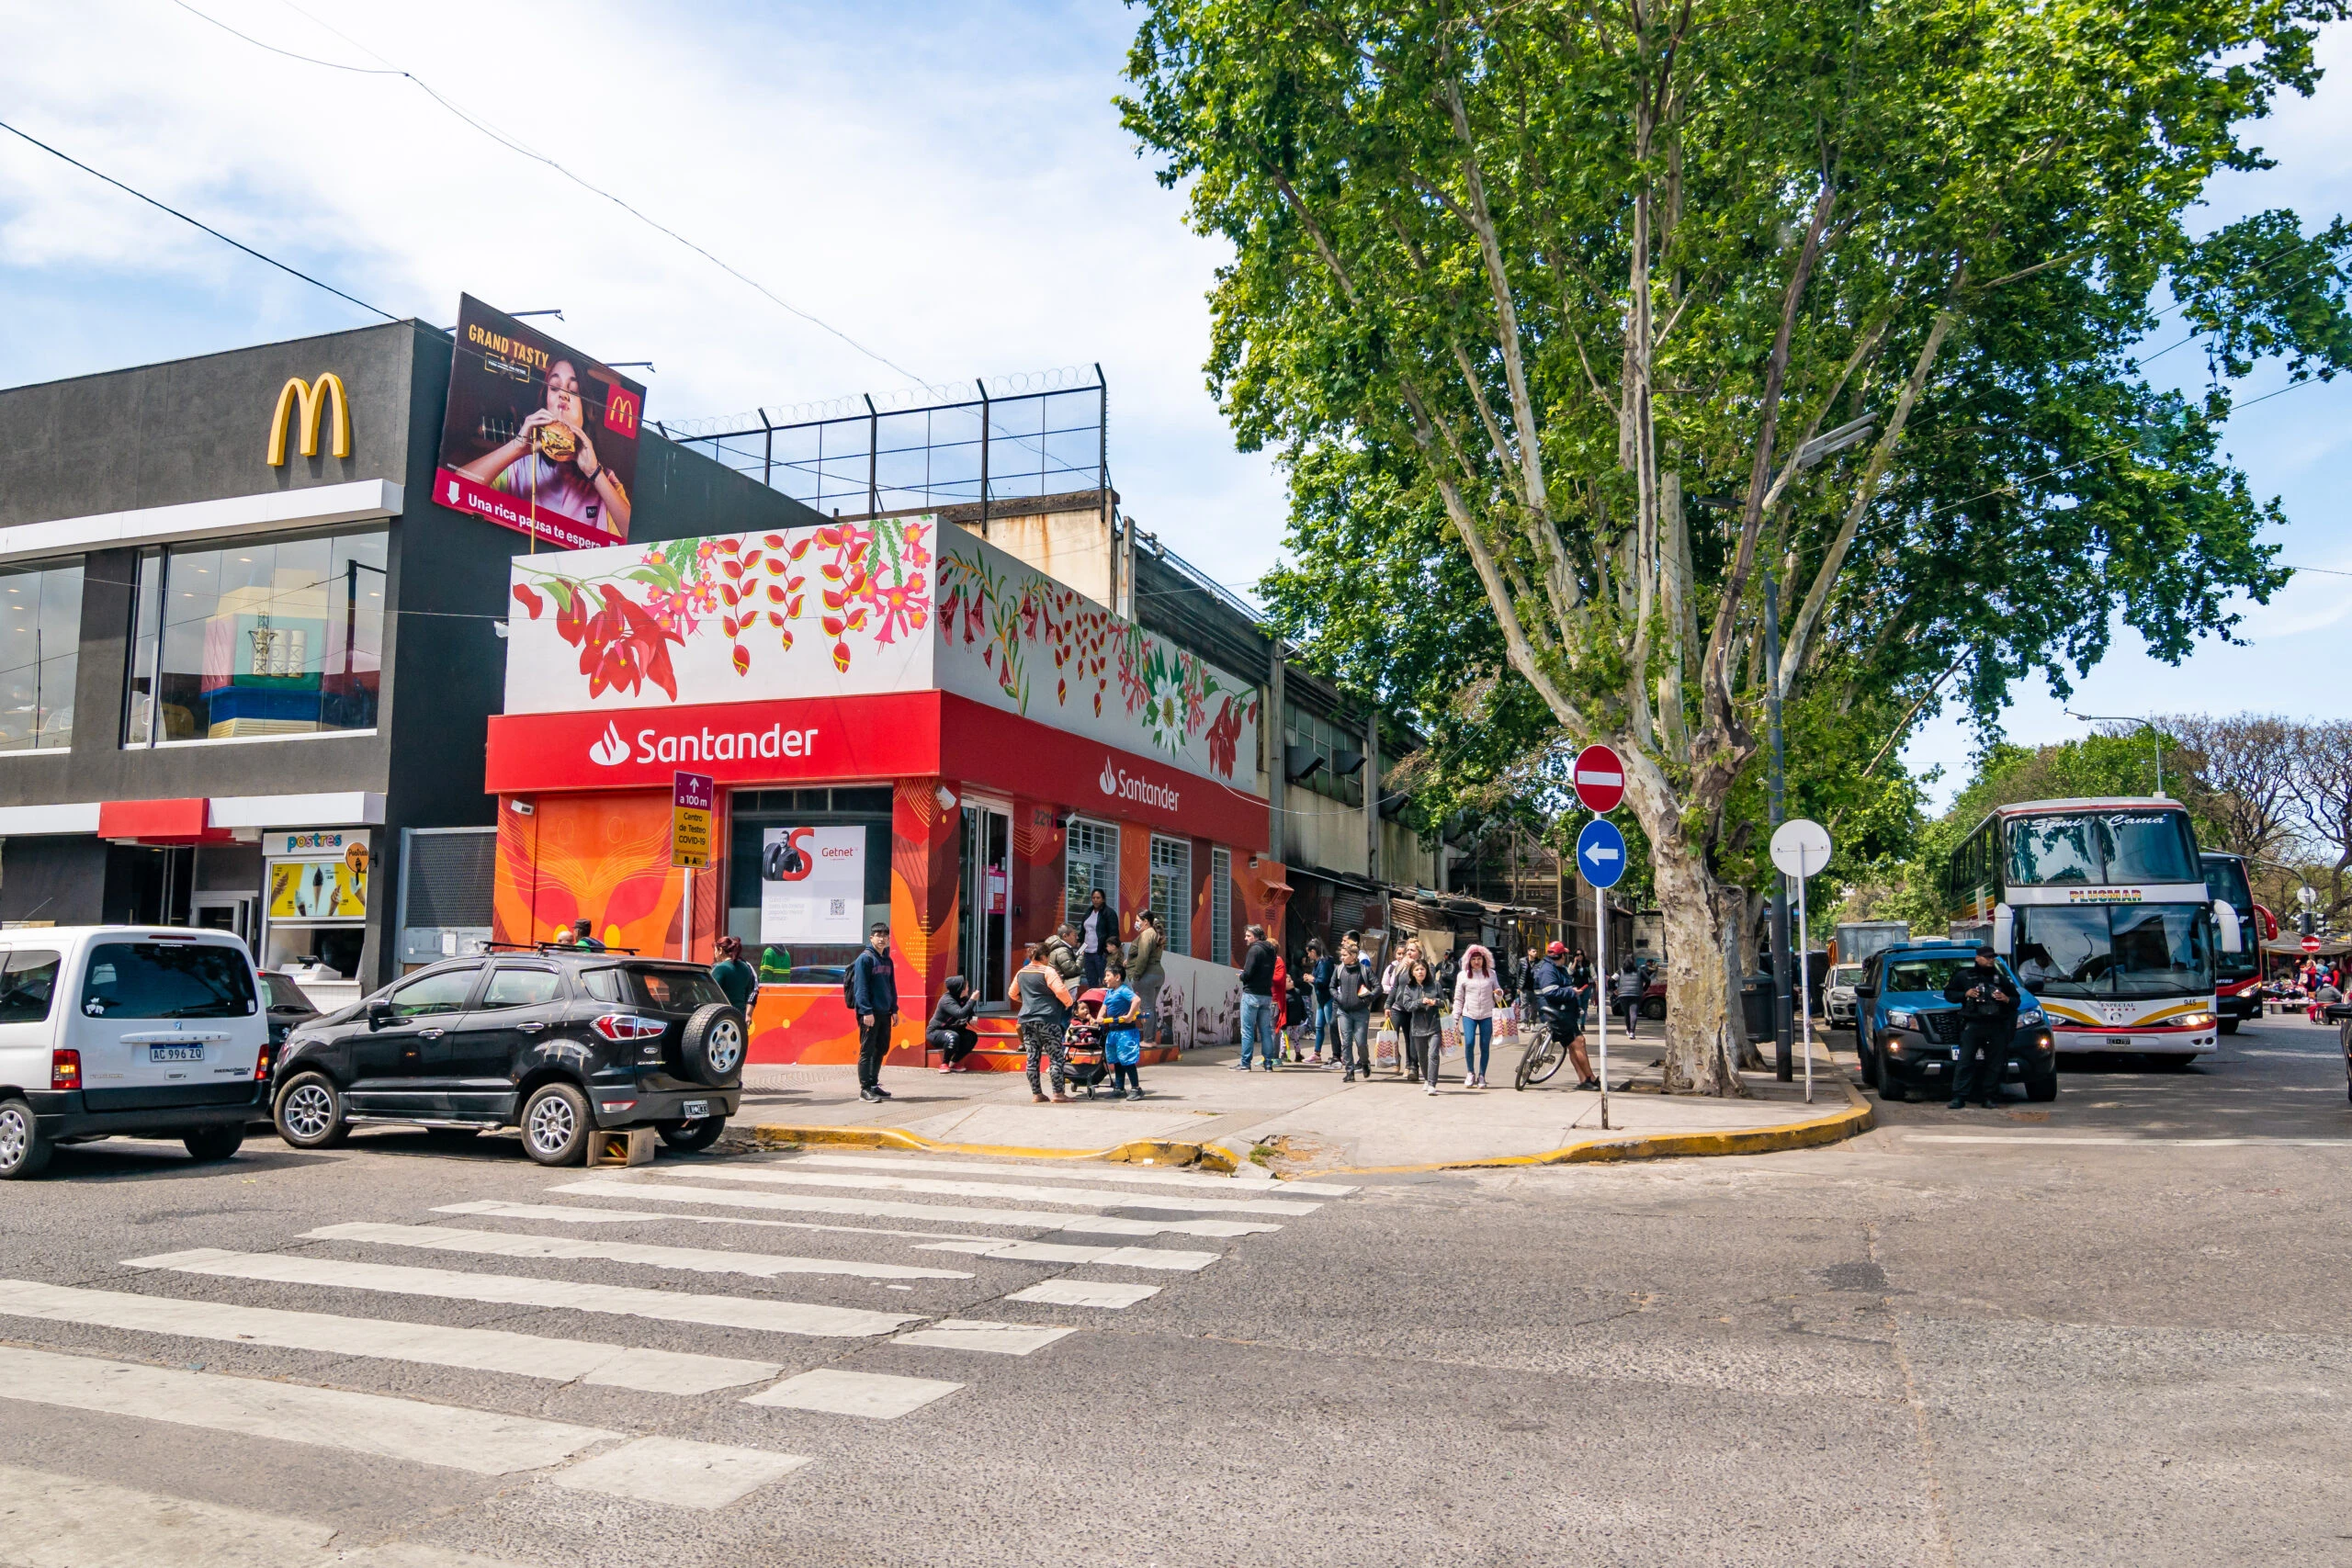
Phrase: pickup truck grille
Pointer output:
(1942, 1027)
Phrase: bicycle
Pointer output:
(1545, 1053)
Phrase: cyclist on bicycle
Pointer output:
(1563, 1008)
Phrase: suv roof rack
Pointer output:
(559, 947)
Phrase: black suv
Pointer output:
(555, 1041)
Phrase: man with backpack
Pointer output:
(870, 986)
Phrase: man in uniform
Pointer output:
(1988, 1018)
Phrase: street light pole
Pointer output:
(2147, 722)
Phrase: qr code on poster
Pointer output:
(840, 907)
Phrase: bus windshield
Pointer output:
(2226, 883)
(2083, 848)
(2115, 950)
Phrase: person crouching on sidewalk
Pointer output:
(1122, 1039)
(950, 1031)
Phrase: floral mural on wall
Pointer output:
(1021, 620)
(624, 616)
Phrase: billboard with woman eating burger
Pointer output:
(538, 438)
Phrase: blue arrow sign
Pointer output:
(1601, 853)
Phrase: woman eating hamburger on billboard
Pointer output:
(551, 464)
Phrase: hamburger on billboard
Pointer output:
(538, 438)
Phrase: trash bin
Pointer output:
(1756, 1006)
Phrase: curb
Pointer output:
(1136, 1151)
(1856, 1118)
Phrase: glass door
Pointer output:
(986, 941)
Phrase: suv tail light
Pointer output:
(64, 1070)
(623, 1026)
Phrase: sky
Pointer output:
(947, 185)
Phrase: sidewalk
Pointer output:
(1304, 1120)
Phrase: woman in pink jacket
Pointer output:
(1477, 991)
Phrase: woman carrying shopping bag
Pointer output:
(1417, 1000)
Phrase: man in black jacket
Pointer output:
(1258, 1022)
(874, 993)
(1988, 1020)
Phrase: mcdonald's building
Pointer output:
(248, 660)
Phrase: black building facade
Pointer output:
(243, 693)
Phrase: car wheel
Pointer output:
(1870, 1067)
(23, 1151)
(1890, 1088)
(310, 1114)
(2043, 1086)
(556, 1125)
(214, 1143)
(1653, 1008)
(698, 1133)
(713, 1046)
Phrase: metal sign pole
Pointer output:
(1601, 988)
(1804, 980)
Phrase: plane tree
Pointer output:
(1584, 319)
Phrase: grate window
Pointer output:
(1220, 906)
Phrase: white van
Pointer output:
(152, 1031)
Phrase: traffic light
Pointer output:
(2303, 926)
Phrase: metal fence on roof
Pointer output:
(1029, 437)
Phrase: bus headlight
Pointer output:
(2032, 1017)
(2195, 1021)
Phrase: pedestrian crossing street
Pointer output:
(756, 1283)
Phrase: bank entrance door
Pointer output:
(985, 943)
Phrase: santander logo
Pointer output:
(612, 750)
(1120, 784)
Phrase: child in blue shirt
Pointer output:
(1122, 1040)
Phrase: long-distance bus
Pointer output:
(2237, 976)
(2100, 906)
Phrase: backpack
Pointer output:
(849, 984)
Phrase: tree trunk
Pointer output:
(1704, 1035)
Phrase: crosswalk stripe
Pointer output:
(837, 1392)
(1091, 1171)
(1065, 1252)
(453, 1437)
(993, 1339)
(684, 1474)
(1085, 1294)
(1087, 1196)
(506, 1210)
(883, 1209)
(58, 1521)
(506, 1290)
(695, 1260)
(431, 1344)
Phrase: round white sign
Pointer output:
(1801, 848)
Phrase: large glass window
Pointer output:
(2049, 851)
(762, 889)
(1089, 860)
(1172, 890)
(167, 979)
(2114, 950)
(2225, 881)
(257, 637)
(1322, 756)
(2149, 846)
(40, 637)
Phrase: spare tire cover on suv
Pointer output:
(713, 1046)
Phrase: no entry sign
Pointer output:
(1599, 778)
(2311, 944)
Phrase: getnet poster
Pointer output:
(812, 885)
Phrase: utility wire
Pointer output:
(197, 223)
(514, 146)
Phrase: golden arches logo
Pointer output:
(305, 402)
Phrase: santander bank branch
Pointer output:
(904, 724)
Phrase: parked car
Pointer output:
(1908, 1037)
(2340, 1015)
(110, 1031)
(287, 1005)
(1654, 995)
(555, 1041)
(1838, 999)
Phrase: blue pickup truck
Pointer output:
(1908, 1037)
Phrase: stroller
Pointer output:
(1082, 1042)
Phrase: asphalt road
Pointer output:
(2080, 1333)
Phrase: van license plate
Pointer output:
(695, 1108)
(175, 1052)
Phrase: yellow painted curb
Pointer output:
(1137, 1151)
(1856, 1119)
